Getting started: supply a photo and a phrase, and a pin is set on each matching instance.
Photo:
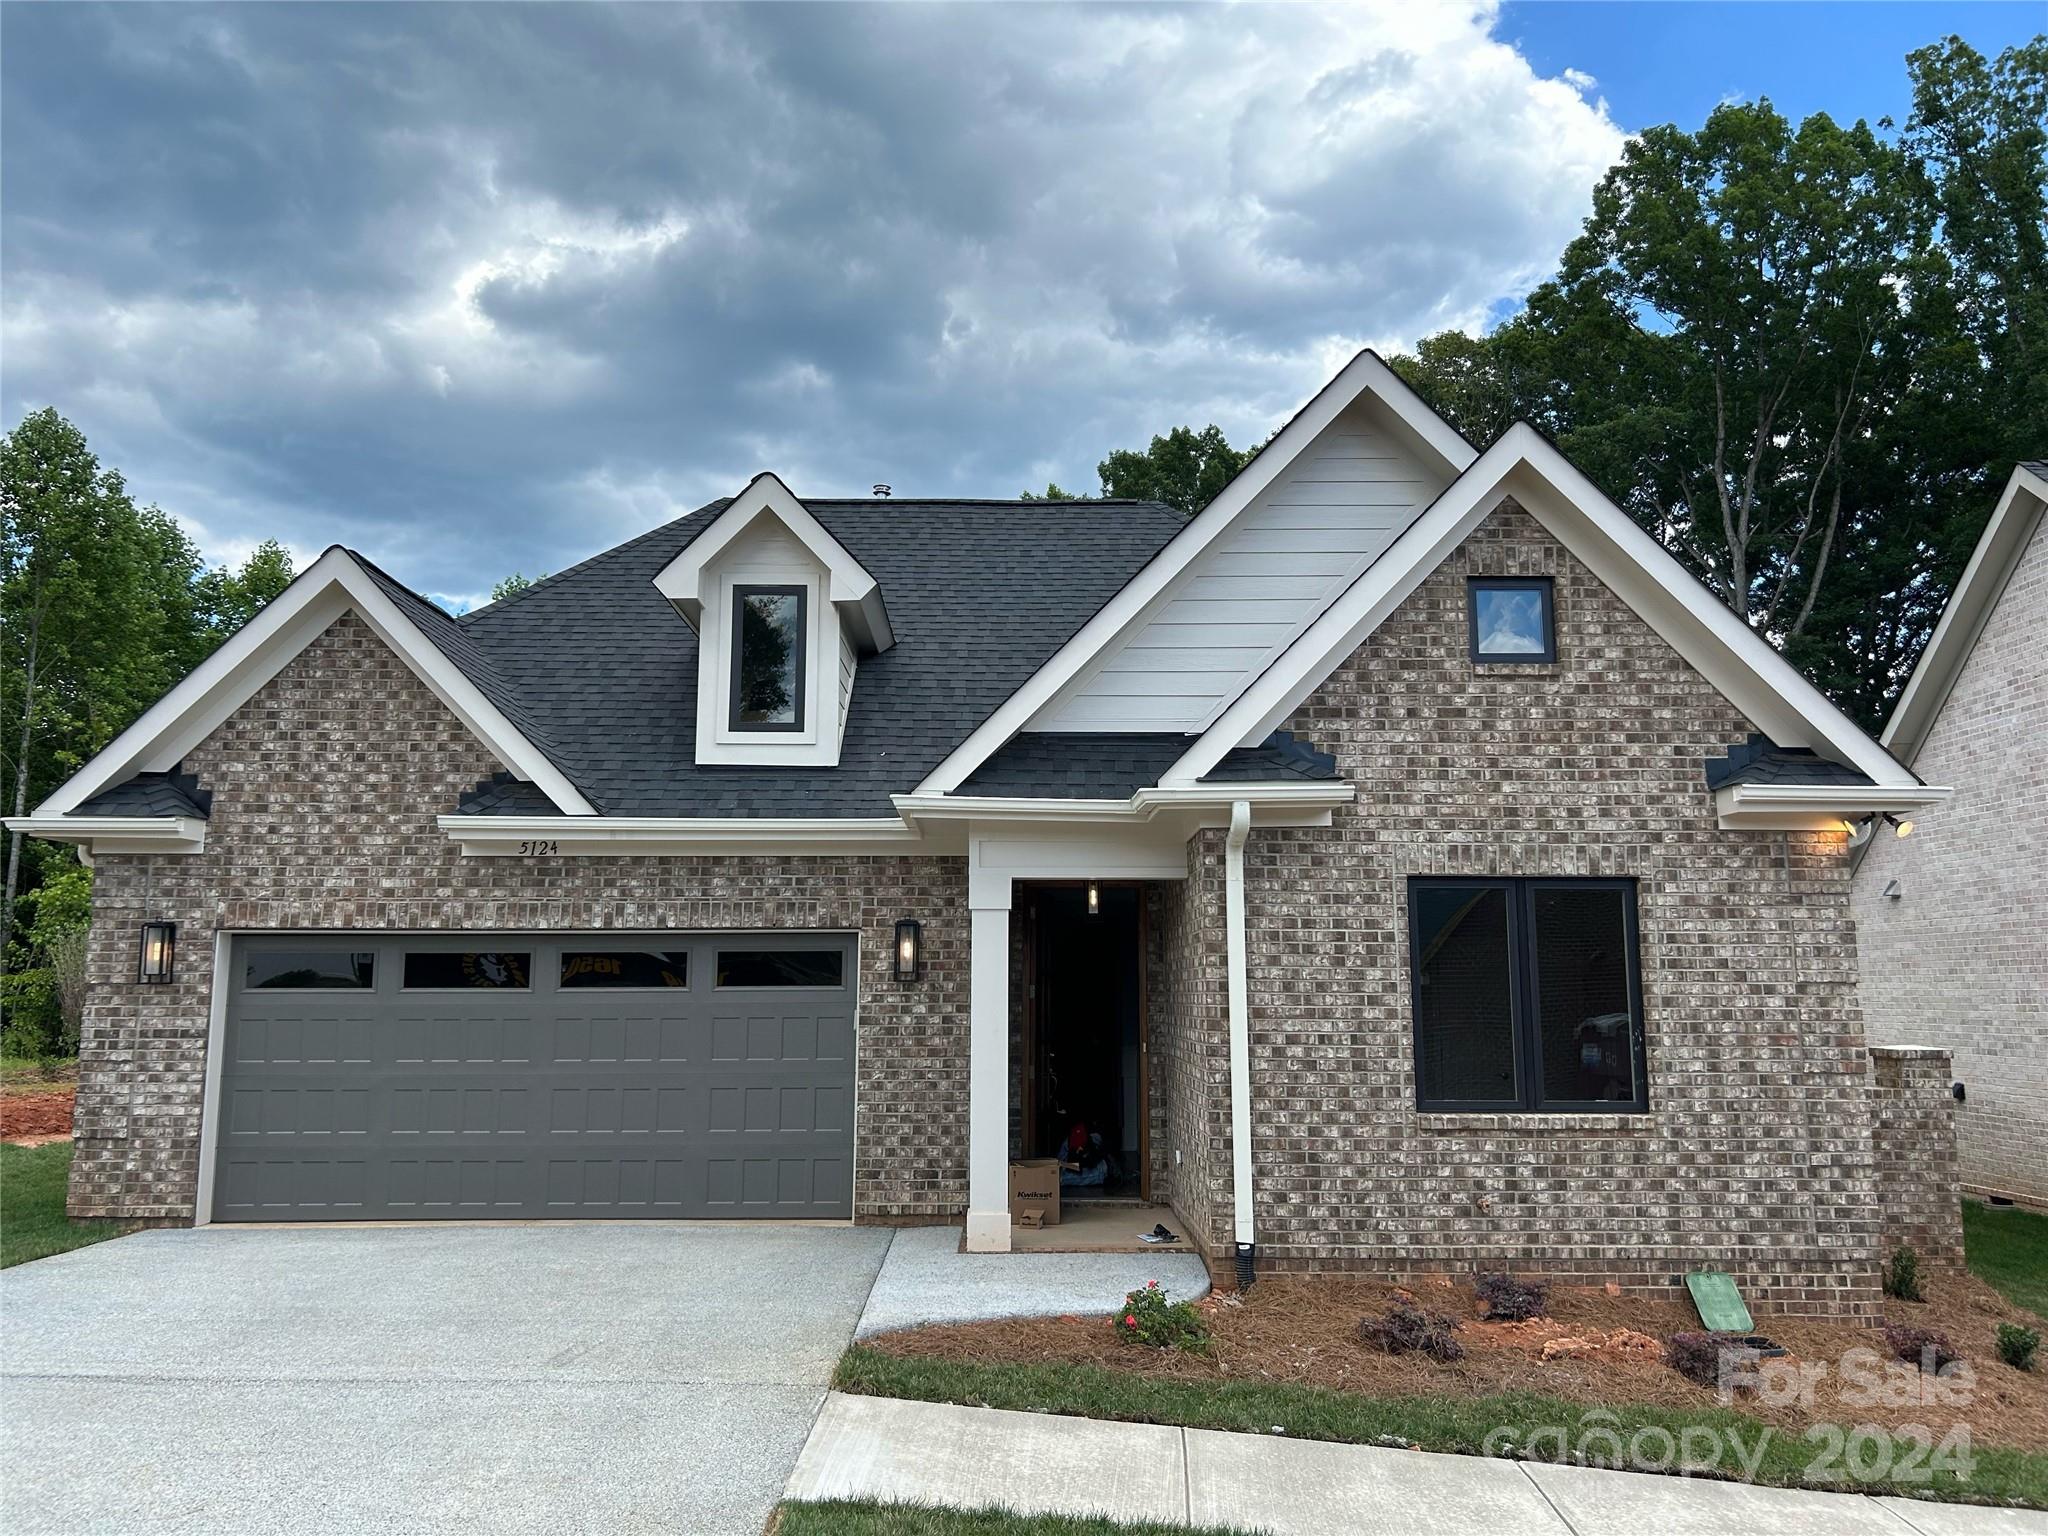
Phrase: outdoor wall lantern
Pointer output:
(909, 950)
(1094, 899)
(159, 951)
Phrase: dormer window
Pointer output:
(769, 639)
(784, 614)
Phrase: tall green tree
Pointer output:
(227, 599)
(1185, 469)
(1800, 356)
(97, 614)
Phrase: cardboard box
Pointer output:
(1035, 1187)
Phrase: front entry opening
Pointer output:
(1083, 1056)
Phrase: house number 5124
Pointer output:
(535, 850)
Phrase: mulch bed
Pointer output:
(36, 1116)
(1594, 1346)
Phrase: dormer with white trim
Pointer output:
(783, 613)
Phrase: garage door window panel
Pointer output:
(623, 970)
(811, 968)
(468, 970)
(270, 970)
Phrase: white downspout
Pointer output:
(1240, 1027)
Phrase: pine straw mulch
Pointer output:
(1595, 1346)
(33, 1117)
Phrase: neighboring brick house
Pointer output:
(1402, 865)
(1951, 918)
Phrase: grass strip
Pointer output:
(862, 1517)
(32, 1220)
(2007, 1248)
(1636, 1437)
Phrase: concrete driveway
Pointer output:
(408, 1379)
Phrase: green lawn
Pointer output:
(32, 1220)
(845, 1517)
(2007, 1248)
(1434, 1423)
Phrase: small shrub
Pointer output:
(1508, 1300)
(1407, 1329)
(1699, 1356)
(1147, 1317)
(2016, 1345)
(1927, 1348)
(1902, 1276)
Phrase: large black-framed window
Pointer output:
(1511, 618)
(768, 632)
(1527, 996)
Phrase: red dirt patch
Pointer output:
(1593, 1347)
(35, 1117)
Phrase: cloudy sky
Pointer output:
(491, 288)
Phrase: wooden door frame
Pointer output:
(1028, 1033)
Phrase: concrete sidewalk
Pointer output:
(1032, 1463)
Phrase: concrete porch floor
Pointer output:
(927, 1279)
(1112, 1226)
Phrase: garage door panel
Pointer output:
(539, 1101)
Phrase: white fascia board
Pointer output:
(532, 836)
(1818, 807)
(1992, 563)
(1523, 464)
(1130, 605)
(1314, 800)
(851, 589)
(116, 834)
(260, 649)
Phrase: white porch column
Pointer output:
(988, 1071)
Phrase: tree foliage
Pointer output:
(1802, 356)
(104, 604)
(512, 584)
(1185, 469)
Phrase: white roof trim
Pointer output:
(1363, 373)
(528, 836)
(1817, 807)
(1992, 563)
(116, 834)
(1144, 805)
(260, 649)
(851, 589)
(1522, 463)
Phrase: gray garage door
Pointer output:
(505, 1075)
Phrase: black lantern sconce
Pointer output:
(909, 950)
(1094, 899)
(159, 952)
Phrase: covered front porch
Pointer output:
(1129, 1020)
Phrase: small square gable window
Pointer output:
(1512, 618)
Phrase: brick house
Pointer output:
(1402, 865)
(1951, 917)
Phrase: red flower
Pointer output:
(1151, 1285)
(1129, 1321)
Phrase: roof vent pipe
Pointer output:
(880, 489)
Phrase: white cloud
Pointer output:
(453, 280)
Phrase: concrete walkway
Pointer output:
(927, 1279)
(934, 1453)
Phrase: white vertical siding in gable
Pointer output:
(1288, 555)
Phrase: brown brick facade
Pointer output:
(1914, 1135)
(1756, 1154)
(326, 785)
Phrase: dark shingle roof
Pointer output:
(503, 795)
(176, 793)
(980, 595)
(1063, 765)
(1762, 761)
